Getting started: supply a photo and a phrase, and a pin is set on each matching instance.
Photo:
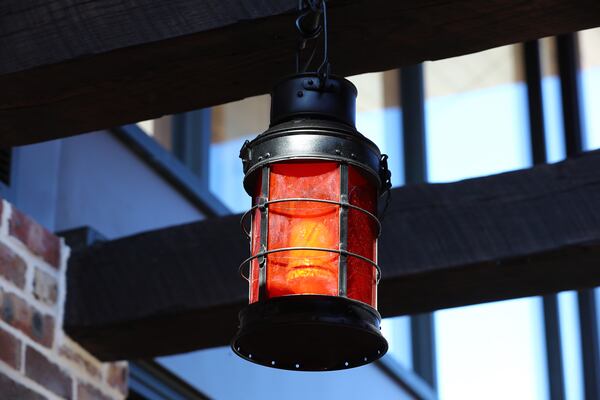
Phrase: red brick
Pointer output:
(117, 376)
(13, 390)
(88, 392)
(47, 374)
(16, 312)
(37, 238)
(12, 267)
(10, 349)
(45, 287)
(75, 357)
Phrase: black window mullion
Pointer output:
(537, 136)
(568, 66)
(191, 136)
(412, 99)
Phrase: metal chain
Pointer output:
(313, 13)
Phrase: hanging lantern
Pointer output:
(315, 183)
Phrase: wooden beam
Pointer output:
(517, 234)
(72, 66)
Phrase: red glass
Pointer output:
(315, 224)
(362, 238)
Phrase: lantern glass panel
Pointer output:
(362, 237)
(304, 223)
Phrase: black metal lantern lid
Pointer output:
(310, 333)
(313, 119)
(309, 96)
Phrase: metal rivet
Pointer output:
(300, 93)
(260, 158)
(346, 363)
(297, 365)
(378, 351)
(353, 155)
(249, 355)
(272, 362)
(238, 349)
(338, 151)
(267, 155)
(365, 358)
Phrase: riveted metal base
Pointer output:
(309, 333)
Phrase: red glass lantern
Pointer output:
(315, 183)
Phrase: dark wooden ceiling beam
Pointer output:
(72, 66)
(517, 234)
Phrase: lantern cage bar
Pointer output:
(312, 121)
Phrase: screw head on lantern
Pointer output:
(315, 183)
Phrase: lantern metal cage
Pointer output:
(313, 273)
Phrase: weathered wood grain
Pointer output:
(517, 234)
(72, 66)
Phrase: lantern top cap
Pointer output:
(309, 96)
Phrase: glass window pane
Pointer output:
(397, 332)
(477, 124)
(476, 115)
(491, 351)
(160, 129)
(589, 43)
(551, 98)
(571, 344)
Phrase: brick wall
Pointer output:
(37, 359)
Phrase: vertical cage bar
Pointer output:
(264, 231)
(250, 264)
(343, 258)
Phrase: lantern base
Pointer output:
(309, 333)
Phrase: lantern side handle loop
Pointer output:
(385, 176)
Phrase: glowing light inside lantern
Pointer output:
(314, 224)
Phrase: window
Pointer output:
(477, 124)
(589, 43)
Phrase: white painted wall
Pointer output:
(104, 185)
